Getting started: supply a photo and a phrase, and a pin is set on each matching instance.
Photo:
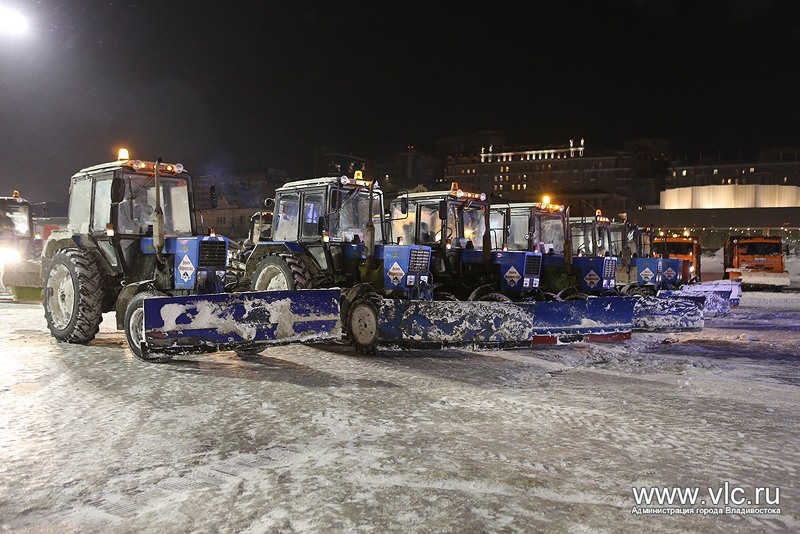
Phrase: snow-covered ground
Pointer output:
(318, 439)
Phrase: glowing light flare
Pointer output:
(123, 154)
(12, 22)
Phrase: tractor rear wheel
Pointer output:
(495, 297)
(73, 296)
(272, 274)
(362, 324)
(134, 327)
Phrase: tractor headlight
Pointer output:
(9, 255)
(691, 268)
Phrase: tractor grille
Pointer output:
(420, 261)
(533, 265)
(212, 254)
(609, 268)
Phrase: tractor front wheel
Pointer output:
(134, 328)
(362, 324)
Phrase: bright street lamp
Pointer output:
(12, 22)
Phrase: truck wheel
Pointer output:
(272, 274)
(73, 296)
(362, 324)
(134, 327)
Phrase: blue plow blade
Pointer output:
(425, 324)
(667, 313)
(224, 321)
(718, 300)
(600, 319)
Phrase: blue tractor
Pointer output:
(330, 232)
(131, 247)
(470, 258)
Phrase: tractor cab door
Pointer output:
(101, 223)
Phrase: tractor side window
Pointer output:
(286, 218)
(80, 202)
(313, 207)
(403, 224)
(102, 205)
(430, 226)
(497, 221)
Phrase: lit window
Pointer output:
(716, 172)
(501, 187)
(674, 174)
(683, 173)
(752, 169)
(524, 186)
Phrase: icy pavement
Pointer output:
(318, 439)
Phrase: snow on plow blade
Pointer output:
(422, 324)
(229, 320)
(669, 313)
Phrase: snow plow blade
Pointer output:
(24, 280)
(669, 313)
(225, 321)
(426, 324)
(757, 278)
(720, 295)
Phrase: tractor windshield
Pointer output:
(519, 230)
(15, 219)
(465, 224)
(549, 233)
(352, 217)
(136, 211)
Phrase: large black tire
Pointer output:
(362, 324)
(73, 296)
(495, 297)
(283, 272)
(134, 327)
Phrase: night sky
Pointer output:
(231, 86)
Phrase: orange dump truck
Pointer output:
(757, 260)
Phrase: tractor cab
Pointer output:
(594, 255)
(330, 231)
(540, 227)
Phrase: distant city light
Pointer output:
(12, 22)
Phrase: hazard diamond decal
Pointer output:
(591, 278)
(669, 273)
(512, 276)
(186, 268)
(396, 273)
(647, 274)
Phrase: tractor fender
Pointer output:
(125, 296)
(270, 249)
